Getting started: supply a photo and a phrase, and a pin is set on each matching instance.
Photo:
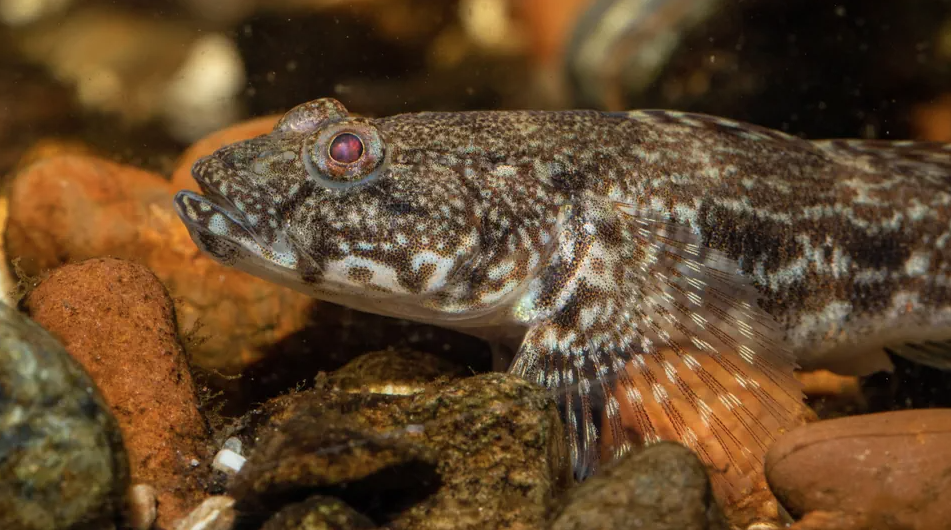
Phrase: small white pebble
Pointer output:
(228, 461)
(214, 513)
(194, 462)
(142, 507)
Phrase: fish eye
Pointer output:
(344, 153)
(345, 148)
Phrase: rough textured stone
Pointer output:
(480, 452)
(62, 462)
(117, 320)
(393, 371)
(662, 487)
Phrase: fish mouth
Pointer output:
(214, 222)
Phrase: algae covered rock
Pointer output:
(62, 461)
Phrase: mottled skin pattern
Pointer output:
(663, 272)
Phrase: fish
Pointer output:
(663, 274)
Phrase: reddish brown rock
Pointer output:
(894, 467)
(63, 464)
(932, 120)
(116, 319)
(69, 208)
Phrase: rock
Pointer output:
(143, 509)
(548, 30)
(139, 67)
(62, 461)
(318, 513)
(932, 119)
(399, 371)
(481, 452)
(892, 466)
(214, 513)
(663, 486)
(320, 449)
(832, 395)
(116, 319)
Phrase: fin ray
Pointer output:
(688, 356)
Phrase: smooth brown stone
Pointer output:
(893, 466)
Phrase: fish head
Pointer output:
(334, 204)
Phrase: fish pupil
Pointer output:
(346, 148)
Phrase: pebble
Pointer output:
(116, 319)
(143, 507)
(892, 467)
(214, 513)
(661, 487)
(62, 461)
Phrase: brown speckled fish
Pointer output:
(662, 272)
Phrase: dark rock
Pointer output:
(116, 319)
(316, 449)
(62, 461)
(663, 486)
(481, 452)
(393, 371)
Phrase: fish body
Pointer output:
(664, 273)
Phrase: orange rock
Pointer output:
(117, 320)
(69, 208)
(548, 28)
(891, 466)
(50, 147)
(182, 177)
(932, 121)
(826, 383)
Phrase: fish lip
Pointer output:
(187, 203)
